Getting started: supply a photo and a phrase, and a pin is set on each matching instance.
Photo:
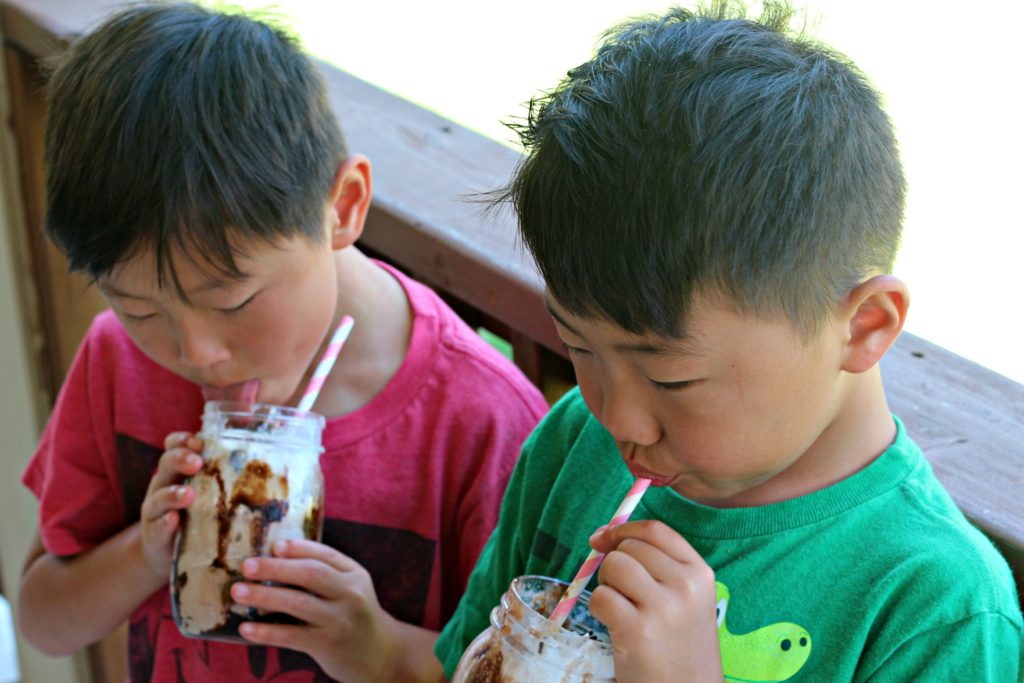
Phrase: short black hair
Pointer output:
(176, 127)
(704, 153)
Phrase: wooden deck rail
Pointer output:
(968, 420)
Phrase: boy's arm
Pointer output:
(67, 603)
(415, 661)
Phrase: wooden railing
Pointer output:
(968, 420)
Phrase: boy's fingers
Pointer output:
(186, 439)
(311, 575)
(174, 439)
(661, 567)
(288, 636)
(170, 522)
(646, 576)
(313, 550)
(628, 577)
(292, 601)
(164, 525)
(612, 608)
(653, 532)
(166, 499)
(174, 465)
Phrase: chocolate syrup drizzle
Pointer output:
(252, 489)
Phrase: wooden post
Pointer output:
(21, 410)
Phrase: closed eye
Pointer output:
(673, 386)
(574, 350)
(137, 318)
(239, 307)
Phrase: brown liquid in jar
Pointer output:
(260, 483)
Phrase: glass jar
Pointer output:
(260, 483)
(522, 646)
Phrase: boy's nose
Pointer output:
(200, 347)
(628, 419)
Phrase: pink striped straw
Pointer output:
(590, 565)
(316, 382)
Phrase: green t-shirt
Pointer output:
(876, 578)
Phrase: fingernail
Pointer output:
(240, 590)
(250, 566)
(597, 532)
(280, 547)
(246, 629)
(179, 492)
(194, 460)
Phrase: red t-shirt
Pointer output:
(413, 479)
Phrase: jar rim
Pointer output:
(262, 410)
(264, 423)
(538, 625)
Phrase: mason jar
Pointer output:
(260, 483)
(522, 646)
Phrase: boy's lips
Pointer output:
(656, 479)
(244, 392)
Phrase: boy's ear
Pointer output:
(349, 201)
(875, 311)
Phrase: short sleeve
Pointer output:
(493, 573)
(72, 472)
(496, 451)
(984, 648)
(507, 552)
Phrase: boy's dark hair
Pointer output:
(172, 126)
(703, 153)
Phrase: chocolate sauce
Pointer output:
(486, 666)
(251, 491)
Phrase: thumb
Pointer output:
(603, 539)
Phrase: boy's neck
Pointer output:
(380, 338)
(862, 429)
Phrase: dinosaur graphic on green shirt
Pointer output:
(771, 653)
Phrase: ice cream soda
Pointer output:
(260, 483)
(523, 646)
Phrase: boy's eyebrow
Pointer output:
(558, 318)
(683, 346)
(110, 289)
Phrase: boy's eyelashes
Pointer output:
(236, 309)
(673, 386)
(137, 318)
(574, 350)
(661, 386)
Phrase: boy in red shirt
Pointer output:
(197, 174)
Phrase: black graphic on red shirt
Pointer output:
(400, 562)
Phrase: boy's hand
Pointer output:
(657, 598)
(345, 629)
(166, 496)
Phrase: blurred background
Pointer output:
(949, 73)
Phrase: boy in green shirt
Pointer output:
(716, 206)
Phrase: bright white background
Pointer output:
(950, 73)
